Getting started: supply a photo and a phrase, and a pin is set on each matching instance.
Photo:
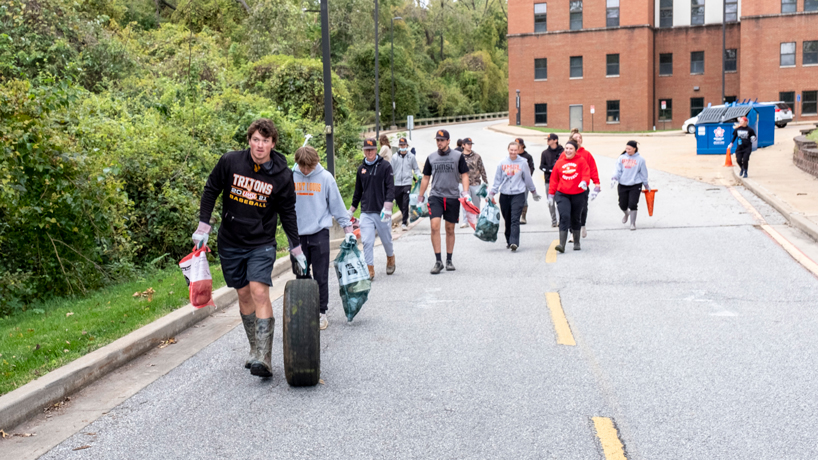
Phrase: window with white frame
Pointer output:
(788, 6)
(697, 62)
(612, 13)
(612, 115)
(575, 7)
(541, 69)
(541, 114)
(612, 65)
(810, 5)
(665, 13)
(788, 54)
(576, 66)
(666, 64)
(810, 56)
(540, 10)
(731, 10)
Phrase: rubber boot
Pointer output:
(371, 272)
(249, 322)
(625, 219)
(584, 232)
(633, 220)
(576, 240)
(553, 211)
(390, 264)
(261, 365)
(522, 216)
(563, 237)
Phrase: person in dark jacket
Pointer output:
(745, 137)
(375, 191)
(530, 161)
(256, 187)
(548, 159)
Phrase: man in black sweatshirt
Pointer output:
(547, 160)
(530, 161)
(256, 187)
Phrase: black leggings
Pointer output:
(570, 207)
(511, 206)
(584, 216)
(629, 196)
(743, 158)
(402, 198)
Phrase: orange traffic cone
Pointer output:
(728, 161)
(649, 195)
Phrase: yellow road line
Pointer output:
(609, 438)
(551, 254)
(564, 336)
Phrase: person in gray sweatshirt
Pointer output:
(632, 174)
(405, 169)
(513, 180)
(317, 201)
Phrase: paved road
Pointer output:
(694, 335)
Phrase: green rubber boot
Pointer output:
(563, 238)
(249, 322)
(261, 364)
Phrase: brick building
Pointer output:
(646, 63)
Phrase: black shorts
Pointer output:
(240, 265)
(447, 208)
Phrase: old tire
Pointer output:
(302, 337)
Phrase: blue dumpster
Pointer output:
(714, 128)
(765, 130)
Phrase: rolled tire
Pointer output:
(301, 333)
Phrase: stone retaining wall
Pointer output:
(805, 153)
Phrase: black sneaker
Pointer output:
(437, 268)
(513, 247)
(449, 266)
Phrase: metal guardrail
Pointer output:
(425, 122)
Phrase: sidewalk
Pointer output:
(772, 174)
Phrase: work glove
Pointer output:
(730, 146)
(201, 235)
(466, 195)
(550, 200)
(536, 196)
(613, 183)
(595, 192)
(300, 259)
(350, 238)
(491, 198)
(583, 185)
(351, 212)
(386, 212)
(647, 186)
(421, 198)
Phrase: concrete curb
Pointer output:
(21, 404)
(795, 218)
(499, 129)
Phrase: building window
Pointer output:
(810, 53)
(665, 13)
(613, 112)
(787, 97)
(730, 60)
(541, 69)
(697, 12)
(612, 61)
(539, 17)
(731, 10)
(666, 113)
(788, 54)
(696, 106)
(788, 6)
(541, 114)
(575, 7)
(809, 104)
(576, 66)
(612, 14)
(666, 64)
(697, 62)
(730, 99)
(810, 5)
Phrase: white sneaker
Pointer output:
(323, 322)
(404, 227)
(463, 224)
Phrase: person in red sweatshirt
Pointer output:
(568, 186)
(590, 195)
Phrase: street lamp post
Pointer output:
(377, 82)
(392, 66)
(327, 87)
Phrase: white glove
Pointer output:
(421, 198)
(613, 183)
(299, 256)
(730, 145)
(536, 197)
(583, 185)
(201, 235)
(647, 186)
(386, 215)
(595, 192)
(350, 238)
(351, 212)
(550, 200)
(466, 195)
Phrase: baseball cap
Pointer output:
(520, 141)
(402, 140)
(442, 134)
(370, 143)
(468, 141)
(553, 137)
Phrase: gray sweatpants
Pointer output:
(370, 225)
(475, 198)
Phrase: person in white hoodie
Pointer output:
(317, 201)
(513, 180)
(632, 174)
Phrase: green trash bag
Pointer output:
(488, 224)
(483, 191)
(416, 211)
(353, 278)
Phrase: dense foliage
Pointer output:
(113, 112)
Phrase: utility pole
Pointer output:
(328, 128)
(377, 81)
(392, 66)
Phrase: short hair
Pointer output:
(513, 143)
(264, 127)
(384, 140)
(306, 156)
